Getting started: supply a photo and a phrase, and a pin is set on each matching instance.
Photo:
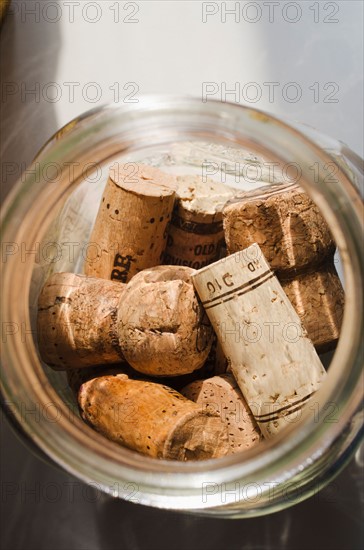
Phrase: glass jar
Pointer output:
(46, 222)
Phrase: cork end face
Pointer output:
(203, 196)
(199, 437)
(143, 180)
(221, 395)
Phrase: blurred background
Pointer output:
(299, 60)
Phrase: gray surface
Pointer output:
(45, 509)
(170, 50)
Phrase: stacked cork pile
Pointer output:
(161, 309)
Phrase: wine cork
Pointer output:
(284, 222)
(222, 395)
(77, 321)
(296, 241)
(152, 419)
(130, 231)
(163, 329)
(319, 300)
(155, 322)
(196, 234)
(271, 357)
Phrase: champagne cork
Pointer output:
(152, 419)
(155, 322)
(77, 321)
(162, 327)
(130, 231)
(196, 234)
(296, 240)
(221, 394)
(272, 359)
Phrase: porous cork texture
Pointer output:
(77, 321)
(162, 327)
(130, 231)
(284, 222)
(196, 235)
(152, 419)
(318, 298)
(221, 394)
(296, 241)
